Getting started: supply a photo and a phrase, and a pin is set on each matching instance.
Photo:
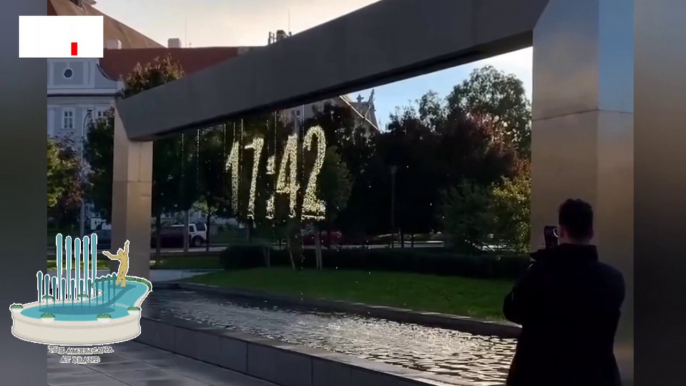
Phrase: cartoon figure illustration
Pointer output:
(123, 257)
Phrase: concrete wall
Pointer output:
(347, 54)
(583, 133)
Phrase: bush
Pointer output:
(243, 257)
(430, 261)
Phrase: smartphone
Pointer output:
(550, 235)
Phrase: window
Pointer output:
(68, 119)
(100, 113)
(68, 73)
(200, 226)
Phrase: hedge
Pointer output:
(398, 260)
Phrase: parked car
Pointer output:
(172, 236)
(104, 238)
(333, 238)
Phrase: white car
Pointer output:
(197, 234)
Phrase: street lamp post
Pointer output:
(394, 170)
(82, 214)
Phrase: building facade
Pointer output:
(363, 110)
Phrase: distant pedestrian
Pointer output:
(568, 304)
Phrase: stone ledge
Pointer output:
(429, 319)
(281, 363)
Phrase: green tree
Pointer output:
(355, 145)
(187, 179)
(410, 144)
(66, 187)
(99, 153)
(500, 100)
(166, 159)
(334, 188)
(510, 210)
(166, 154)
(214, 180)
(466, 216)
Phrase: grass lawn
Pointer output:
(169, 261)
(190, 261)
(452, 295)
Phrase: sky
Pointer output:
(204, 23)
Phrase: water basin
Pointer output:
(462, 357)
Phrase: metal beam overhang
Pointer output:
(381, 43)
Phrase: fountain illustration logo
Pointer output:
(75, 306)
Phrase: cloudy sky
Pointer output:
(202, 23)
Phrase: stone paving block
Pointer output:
(69, 369)
(141, 375)
(213, 375)
(113, 358)
(110, 368)
(90, 379)
(148, 355)
(278, 366)
(169, 382)
(136, 364)
(329, 373)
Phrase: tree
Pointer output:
(500, 100)
(355, 147)
(215, 182)
(411, 146)
(466, 216)
(187, 179)
(334, 187)
(510, 210)
(66, 187)
(99, 153)
(165, 151)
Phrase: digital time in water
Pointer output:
(313, 208)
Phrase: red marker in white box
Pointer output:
(61, 36)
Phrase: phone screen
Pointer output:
(550, 234)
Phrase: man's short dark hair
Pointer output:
(577, 217)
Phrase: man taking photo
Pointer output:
(568, 304)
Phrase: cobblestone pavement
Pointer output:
(135, 364)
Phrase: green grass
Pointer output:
(452, 295)
(52, 264)
(191, 261)
(196, 260)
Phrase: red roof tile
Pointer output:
(121, 62)
(114, 29)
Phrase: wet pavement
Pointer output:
(135, 364)
(480, 360)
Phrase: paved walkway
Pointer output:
(135, 364)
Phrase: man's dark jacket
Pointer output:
(568, 304)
